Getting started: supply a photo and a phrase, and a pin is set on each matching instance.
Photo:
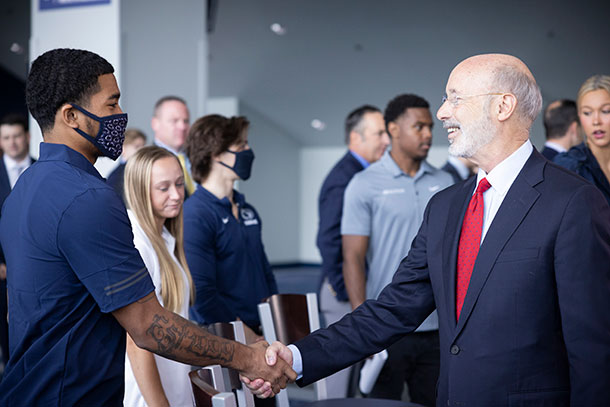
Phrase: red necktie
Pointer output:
(470, 240)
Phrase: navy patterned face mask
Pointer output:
(110, 137)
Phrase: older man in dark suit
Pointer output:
(515, 260)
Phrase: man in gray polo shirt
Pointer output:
(382, 211)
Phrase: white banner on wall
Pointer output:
(53, 4)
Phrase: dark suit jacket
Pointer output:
(5, 184)
(549, 153)
(330, 208)
(5, 189)
(534, 329)
(453, 172)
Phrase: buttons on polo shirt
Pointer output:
(454, 349)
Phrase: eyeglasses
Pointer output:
(455, 100)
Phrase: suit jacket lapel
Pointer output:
(517, 203)
(5, 184)
(455, 216)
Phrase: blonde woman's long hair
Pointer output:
(137, 195)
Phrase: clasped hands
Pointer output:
(269, 374)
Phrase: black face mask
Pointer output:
(243, 163)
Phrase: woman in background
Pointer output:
(154, 192)
(222, 232)
(591, 159)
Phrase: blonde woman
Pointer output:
(591, 159)
(154, 192)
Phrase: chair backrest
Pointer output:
(288, 318)
(235, 332)
(207, 388)
(288, 311)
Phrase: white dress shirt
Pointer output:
(174, 375)
(15, 168)
(501, 179)
(557, 147)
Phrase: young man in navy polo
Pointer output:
(75, 280)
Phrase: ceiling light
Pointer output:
(16, 48)
(278, 29)
(318, 124)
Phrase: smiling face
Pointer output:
(465, 112)
(171, 124)
(594, 115)
(166, 188)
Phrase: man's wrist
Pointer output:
(297, 360)
(243, 358)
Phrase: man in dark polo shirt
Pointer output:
(75, 280)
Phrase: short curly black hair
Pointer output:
(62, 76)
(210, 136)
(397, 106)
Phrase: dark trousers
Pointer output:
(414, 359)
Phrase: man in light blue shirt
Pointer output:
(382, 211)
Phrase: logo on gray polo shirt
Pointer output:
(393, 191)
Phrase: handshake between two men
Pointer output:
(263, 387)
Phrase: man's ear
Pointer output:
(69, 116)
(392, 130)
(506, 107)
(154, 124)
(573, 131)
(355, 138)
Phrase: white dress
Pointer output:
(174, 375)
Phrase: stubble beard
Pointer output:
(473, 137)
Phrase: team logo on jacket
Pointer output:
(248, 216)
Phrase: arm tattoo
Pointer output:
(180, 339)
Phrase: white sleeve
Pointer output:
(297, 361)
(151, 261)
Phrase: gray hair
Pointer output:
(525, 89)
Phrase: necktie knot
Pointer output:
(483, 186)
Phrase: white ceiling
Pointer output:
(339, 54)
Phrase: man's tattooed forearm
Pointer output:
(180, 336)
(211, 347)
(168, 337)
